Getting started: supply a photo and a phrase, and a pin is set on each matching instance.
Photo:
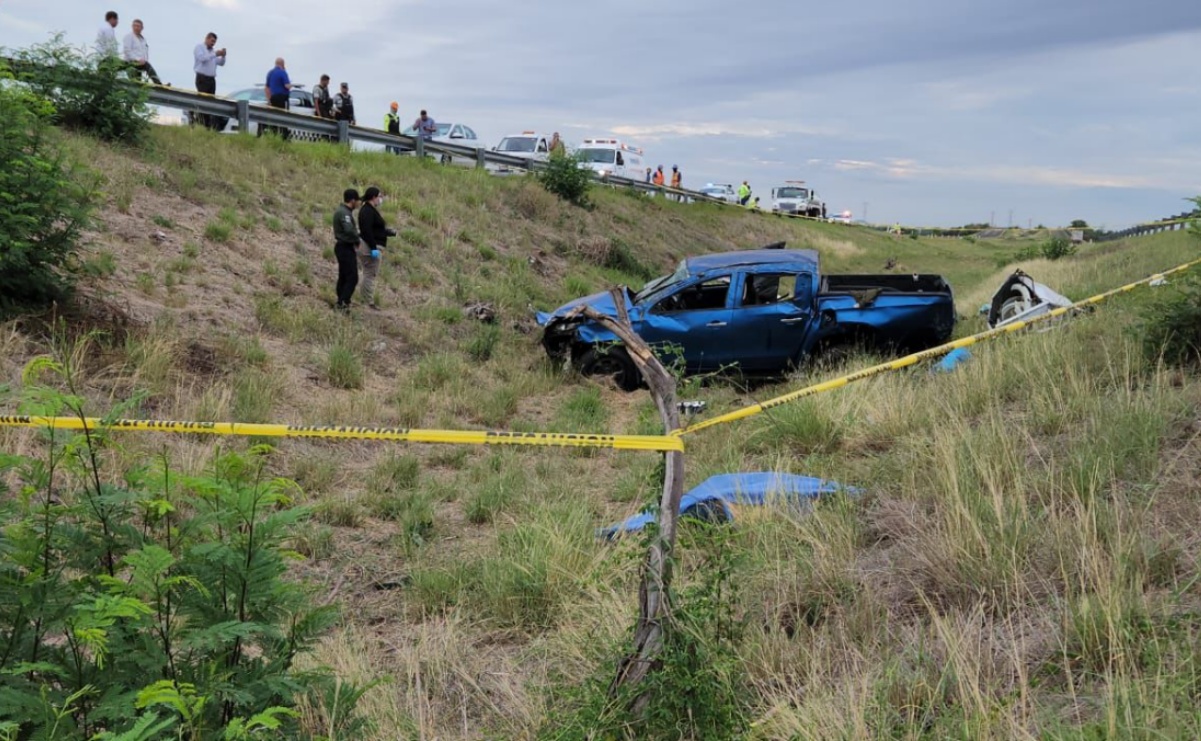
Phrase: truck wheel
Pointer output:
(613, 362)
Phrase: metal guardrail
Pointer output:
(340, 131)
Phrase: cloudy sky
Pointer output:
(933, 112)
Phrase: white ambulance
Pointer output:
(607, 156)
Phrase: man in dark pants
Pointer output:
(206, 61)
(346, 242)
(279, 87)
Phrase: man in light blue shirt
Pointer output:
(106, 37)
(206, 60)
(425, 126)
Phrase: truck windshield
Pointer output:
(792, 192)
(652, 290)
(602, 156)
(517, 144)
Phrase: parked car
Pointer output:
(527, 145)
(722, 191)
(757, 311)
(448, 133)
(299, 101)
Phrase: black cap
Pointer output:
(350, 194)
(372, 192)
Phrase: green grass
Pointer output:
(1020, 563)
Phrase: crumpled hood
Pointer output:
(601, 302)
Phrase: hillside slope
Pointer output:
(1025, 534)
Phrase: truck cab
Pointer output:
(612, 157)
(528, 145)
(795, 198)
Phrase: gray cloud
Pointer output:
(1078, 108)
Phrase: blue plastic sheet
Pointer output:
(718, 498)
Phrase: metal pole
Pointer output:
(420, 147)
(343, 132)
(244, 116)
(480, 157)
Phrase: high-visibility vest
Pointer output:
(675, 179)
(658, 178)
(744, 190)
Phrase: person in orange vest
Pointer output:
(675, 178)
(658, 177)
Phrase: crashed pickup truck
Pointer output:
(756, 311)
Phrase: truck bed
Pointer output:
(886, 283)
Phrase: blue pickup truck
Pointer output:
(757, 311)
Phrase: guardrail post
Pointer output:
(343, 132)
(480, 157)
(420, 141)
(244, 116)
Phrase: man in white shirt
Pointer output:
(106, 37)
(137, 54)
(207, 60)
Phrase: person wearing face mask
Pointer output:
(374, 233)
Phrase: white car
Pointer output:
(721, 191)
(449, 133)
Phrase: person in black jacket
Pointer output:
(347, 240)
(374, 233)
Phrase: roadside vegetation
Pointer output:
(1022, 563)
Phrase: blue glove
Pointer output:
(375, 254)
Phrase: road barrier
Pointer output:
(908, 360)
(662, 443)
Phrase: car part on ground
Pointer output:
(721, 498)
(1020, 298)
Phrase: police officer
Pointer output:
(346, 243)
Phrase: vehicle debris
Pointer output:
(719, 498)
(1021, 298)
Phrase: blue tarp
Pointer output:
(717, 498)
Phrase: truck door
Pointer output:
(694, 322)
(770, 319)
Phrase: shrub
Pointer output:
(1171, 326)
(564, 177)
(344, 368)
(146, 603)
(44, 203)
(1056, 248)
(89, 92)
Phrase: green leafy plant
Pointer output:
(1171, 326)
(1057, 248)
(89, 92)
(45, 202)
(149, 603)
(565, 177)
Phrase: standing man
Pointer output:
(657, 179)
(648, 174)
(675, 181)
(392, 126)
(744, 193)
(346, 242)
(106, 37)
(279, 87)
(344, 105)
(206, 61)
(137, 54)
(425, 126)
(323, 103)
(374, 233)
(557, 147)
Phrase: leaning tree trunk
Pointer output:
(654, 601)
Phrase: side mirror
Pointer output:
(456, 136)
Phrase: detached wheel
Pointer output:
(614, 363)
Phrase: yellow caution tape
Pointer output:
(396, 434)
(908, 360)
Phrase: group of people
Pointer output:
(134, 51)
(359, 246)
(659, 178)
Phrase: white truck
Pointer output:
(795, 198)
(608, 156)
(528, 145)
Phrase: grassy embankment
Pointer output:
(1023, 562)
